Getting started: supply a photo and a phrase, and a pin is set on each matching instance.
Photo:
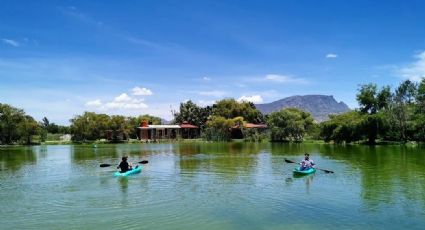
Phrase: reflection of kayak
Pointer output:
(136, 170)
(297, 171)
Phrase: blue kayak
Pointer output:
(297, 171)
(136, 170)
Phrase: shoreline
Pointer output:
(134, 141)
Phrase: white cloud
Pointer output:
(416, 70)
(282, 79)
(123, 101)
(331, 55)
(95, 103)
(137, 91)
(10, 42)
(206, 102)
(122, 98)
(206, 79)
(213, 93)
(125, 105)
(254, 99)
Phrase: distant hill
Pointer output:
(320, 106)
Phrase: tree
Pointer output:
(230, 108)
(219, 128)
(193, 114)
(372, 102)
(289, 124)
(89, 126)
(401, 110)
(27, 128)
(346, 127)
(15, 125)
(420, 97)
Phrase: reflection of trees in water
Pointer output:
(13, 158)
(224, 159)
(389, 174)
(295, 149)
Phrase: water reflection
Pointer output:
(214, 158)
(382, 175)
(13, 158)
(123, 183)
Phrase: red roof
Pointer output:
(250, 125)
(186, 125)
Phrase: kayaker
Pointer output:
(307, 163)
(124, 165)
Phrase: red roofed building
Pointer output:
(236, 131)
(189, 131)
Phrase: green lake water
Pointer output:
(212, 186)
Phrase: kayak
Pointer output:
(130, 172)
(297, 171)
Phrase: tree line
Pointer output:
(17, 127)
(217, 122)
(91, 126)
(384, 114)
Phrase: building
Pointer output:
(236, 131)
(189, 131)
(167, 132)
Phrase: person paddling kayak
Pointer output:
(307, 163)
(124, 165)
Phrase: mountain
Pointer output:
(320, 106)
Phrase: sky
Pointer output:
(61, 58)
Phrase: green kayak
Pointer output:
(297, 171)
(136, 170)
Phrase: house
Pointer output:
(158, 132)
(149, 132)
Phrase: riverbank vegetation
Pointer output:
(384, 115)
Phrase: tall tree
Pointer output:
(193, 114)
(371, 102)
(230, 108)
(289, 124)
(15, 125)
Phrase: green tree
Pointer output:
(420, 97)
(28, 128)
(289, 124)
(401, 111)
(193, 114)
(219, 128)
(89, 126)
(230, 108)
(418, 122)
(16, 126)
(371, 102)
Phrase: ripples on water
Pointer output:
(211, 186)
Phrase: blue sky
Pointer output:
(60, 58)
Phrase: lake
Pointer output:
(212, 186)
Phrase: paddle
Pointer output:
(324, 170)
(107, 165)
